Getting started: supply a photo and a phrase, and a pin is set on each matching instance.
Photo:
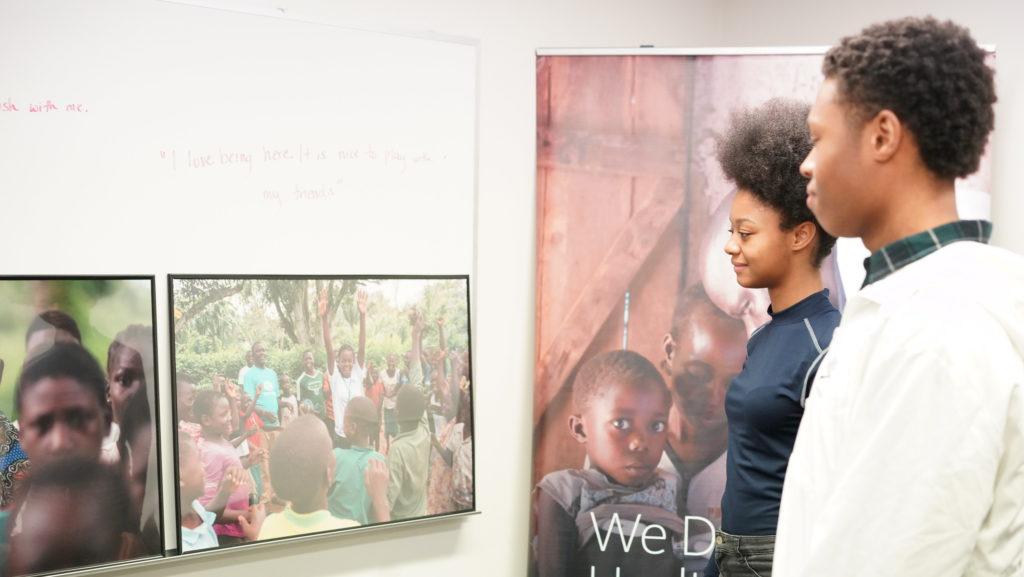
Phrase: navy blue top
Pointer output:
(764, 411)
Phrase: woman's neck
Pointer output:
(795, 288)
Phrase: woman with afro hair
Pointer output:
(775, 243)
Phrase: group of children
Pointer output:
(271, 456)
(80, 459)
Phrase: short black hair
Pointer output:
(203, 405)
(298, 462)
(410, 405)
(762, 152)
(620, 367)
(64, 360)
(53, 319)
(932, 75)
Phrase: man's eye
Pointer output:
(658, 426)
(621, 424)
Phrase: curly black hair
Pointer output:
(615, 368)
(761, 153)
(932, 75)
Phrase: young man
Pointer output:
(910, 457)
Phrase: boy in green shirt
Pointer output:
(360, 473)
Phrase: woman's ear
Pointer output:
(804, 235)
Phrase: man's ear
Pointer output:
(576, 429)
(668, 345)
(886, 133)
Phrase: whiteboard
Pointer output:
(155, 137)
(147, 137)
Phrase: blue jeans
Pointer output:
(743, 556)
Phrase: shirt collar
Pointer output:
(805, 308)
(892, 257)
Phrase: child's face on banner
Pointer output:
(625, 432)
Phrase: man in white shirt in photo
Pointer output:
(910, 457)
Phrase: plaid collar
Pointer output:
(892, 257)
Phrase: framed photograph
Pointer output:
(314, 404)
(79, 431)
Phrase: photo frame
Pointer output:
(80, 423)
(319, 435)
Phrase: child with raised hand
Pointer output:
(219, 456)
(197, 521)
(302, 466)
(391, 379)
(621, 411)
(346, 368)
(409, 457)
(359, 492)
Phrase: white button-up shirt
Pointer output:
(910, 457)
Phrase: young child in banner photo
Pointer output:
(596, 517)
(302, 466)
(360, 474)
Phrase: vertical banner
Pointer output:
(633, 283)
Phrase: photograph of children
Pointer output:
(639, 309)
(79, 480)
(313, 404)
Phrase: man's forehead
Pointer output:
(827, 96)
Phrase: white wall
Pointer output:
(494, 543)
